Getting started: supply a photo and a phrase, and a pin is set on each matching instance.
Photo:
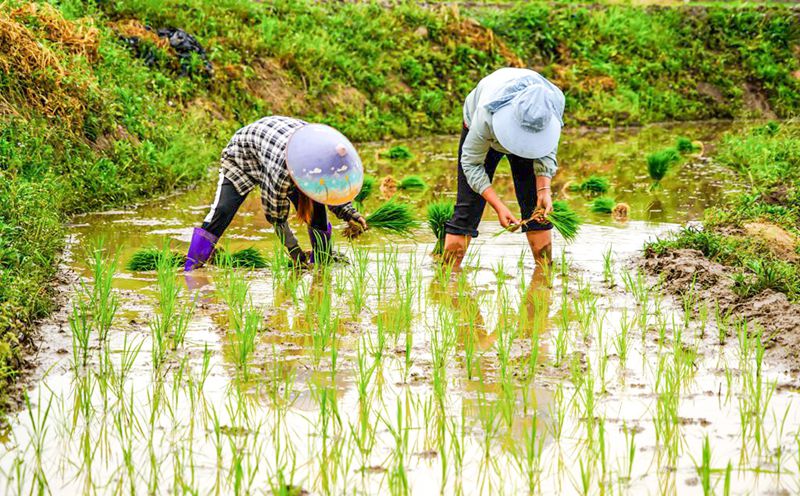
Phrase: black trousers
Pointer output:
(227, 202)
(470, 205)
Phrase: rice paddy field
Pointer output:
(390, 374)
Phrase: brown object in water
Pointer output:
(353, 230)
(620, 212)
(388, 187)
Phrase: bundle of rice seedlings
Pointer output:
(412, 183)
(620, 212)
(658, 163)
(438, 214)
(247, 258)
(399, 152)
(366, 189)
(565, 220)
(593, 184)
(684, 145)
(392, 216)
(602, 205)
(147, 259)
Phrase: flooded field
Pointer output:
(390, 374)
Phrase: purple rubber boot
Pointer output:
(320, 243)
(200, 249)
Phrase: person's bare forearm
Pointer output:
(542, 183)
(491, 198)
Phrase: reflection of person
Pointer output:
(514, 113)
(309, 166)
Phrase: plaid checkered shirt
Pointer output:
(256, 156)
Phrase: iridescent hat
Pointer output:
(324, 164)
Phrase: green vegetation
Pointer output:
(685, 145)
(593, 184)
(87, 123)
(398, 152)
(439, 213)
(565, 220)
(392, 216)
(659, 163)
(147, 259)
(366, 189)
(412, 183)
(602, 205)
(758, 232)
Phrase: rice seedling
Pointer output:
(594, 184)
(439, 213)
(104, 301)
(148, 259)
(397, 152)
(367, 187)
(608, 267)
(81, 328)
(602, 205)
(392, 216)
(412, 183)
(659, 163)
(565, 220)
(686, 145)
(243, 341)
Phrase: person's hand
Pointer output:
(544, 201)
(505, 216)
(361, 220)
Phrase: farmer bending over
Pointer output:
(307, 165)
(516, 113)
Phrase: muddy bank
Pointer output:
(681, 269)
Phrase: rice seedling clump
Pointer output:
(147, 259)
(366, 190)
(603, 205)
(658, 163)
(438, 214)
(685, 145)
(593, 184)
(565, 220)
(413, 183)
(398, 152)
(392, 216)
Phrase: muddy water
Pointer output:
(431, 405)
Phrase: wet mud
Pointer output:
(684, 271)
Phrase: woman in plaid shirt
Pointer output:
(310, 166)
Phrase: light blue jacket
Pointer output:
(481, 136)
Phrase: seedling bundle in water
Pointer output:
(412, 183)
(593, 184)
(659, 163)
(565, 220)
(602, 205)
(399, 152)
(147, 259)
(366, 189)
(438, 214)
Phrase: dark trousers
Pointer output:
(470, 205)
(227, 202)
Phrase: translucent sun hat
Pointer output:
(529, 125)
(324, 164)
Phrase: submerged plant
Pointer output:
(593, 184)
(438, 214)
(412, 183)
(602, 205)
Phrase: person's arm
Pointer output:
(473, 155)
(545, 168)
(275, 200)
(348, 213)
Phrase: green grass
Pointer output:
(602, 205)
(439, 213)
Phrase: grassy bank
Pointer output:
(759, 232)
(89, 118)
